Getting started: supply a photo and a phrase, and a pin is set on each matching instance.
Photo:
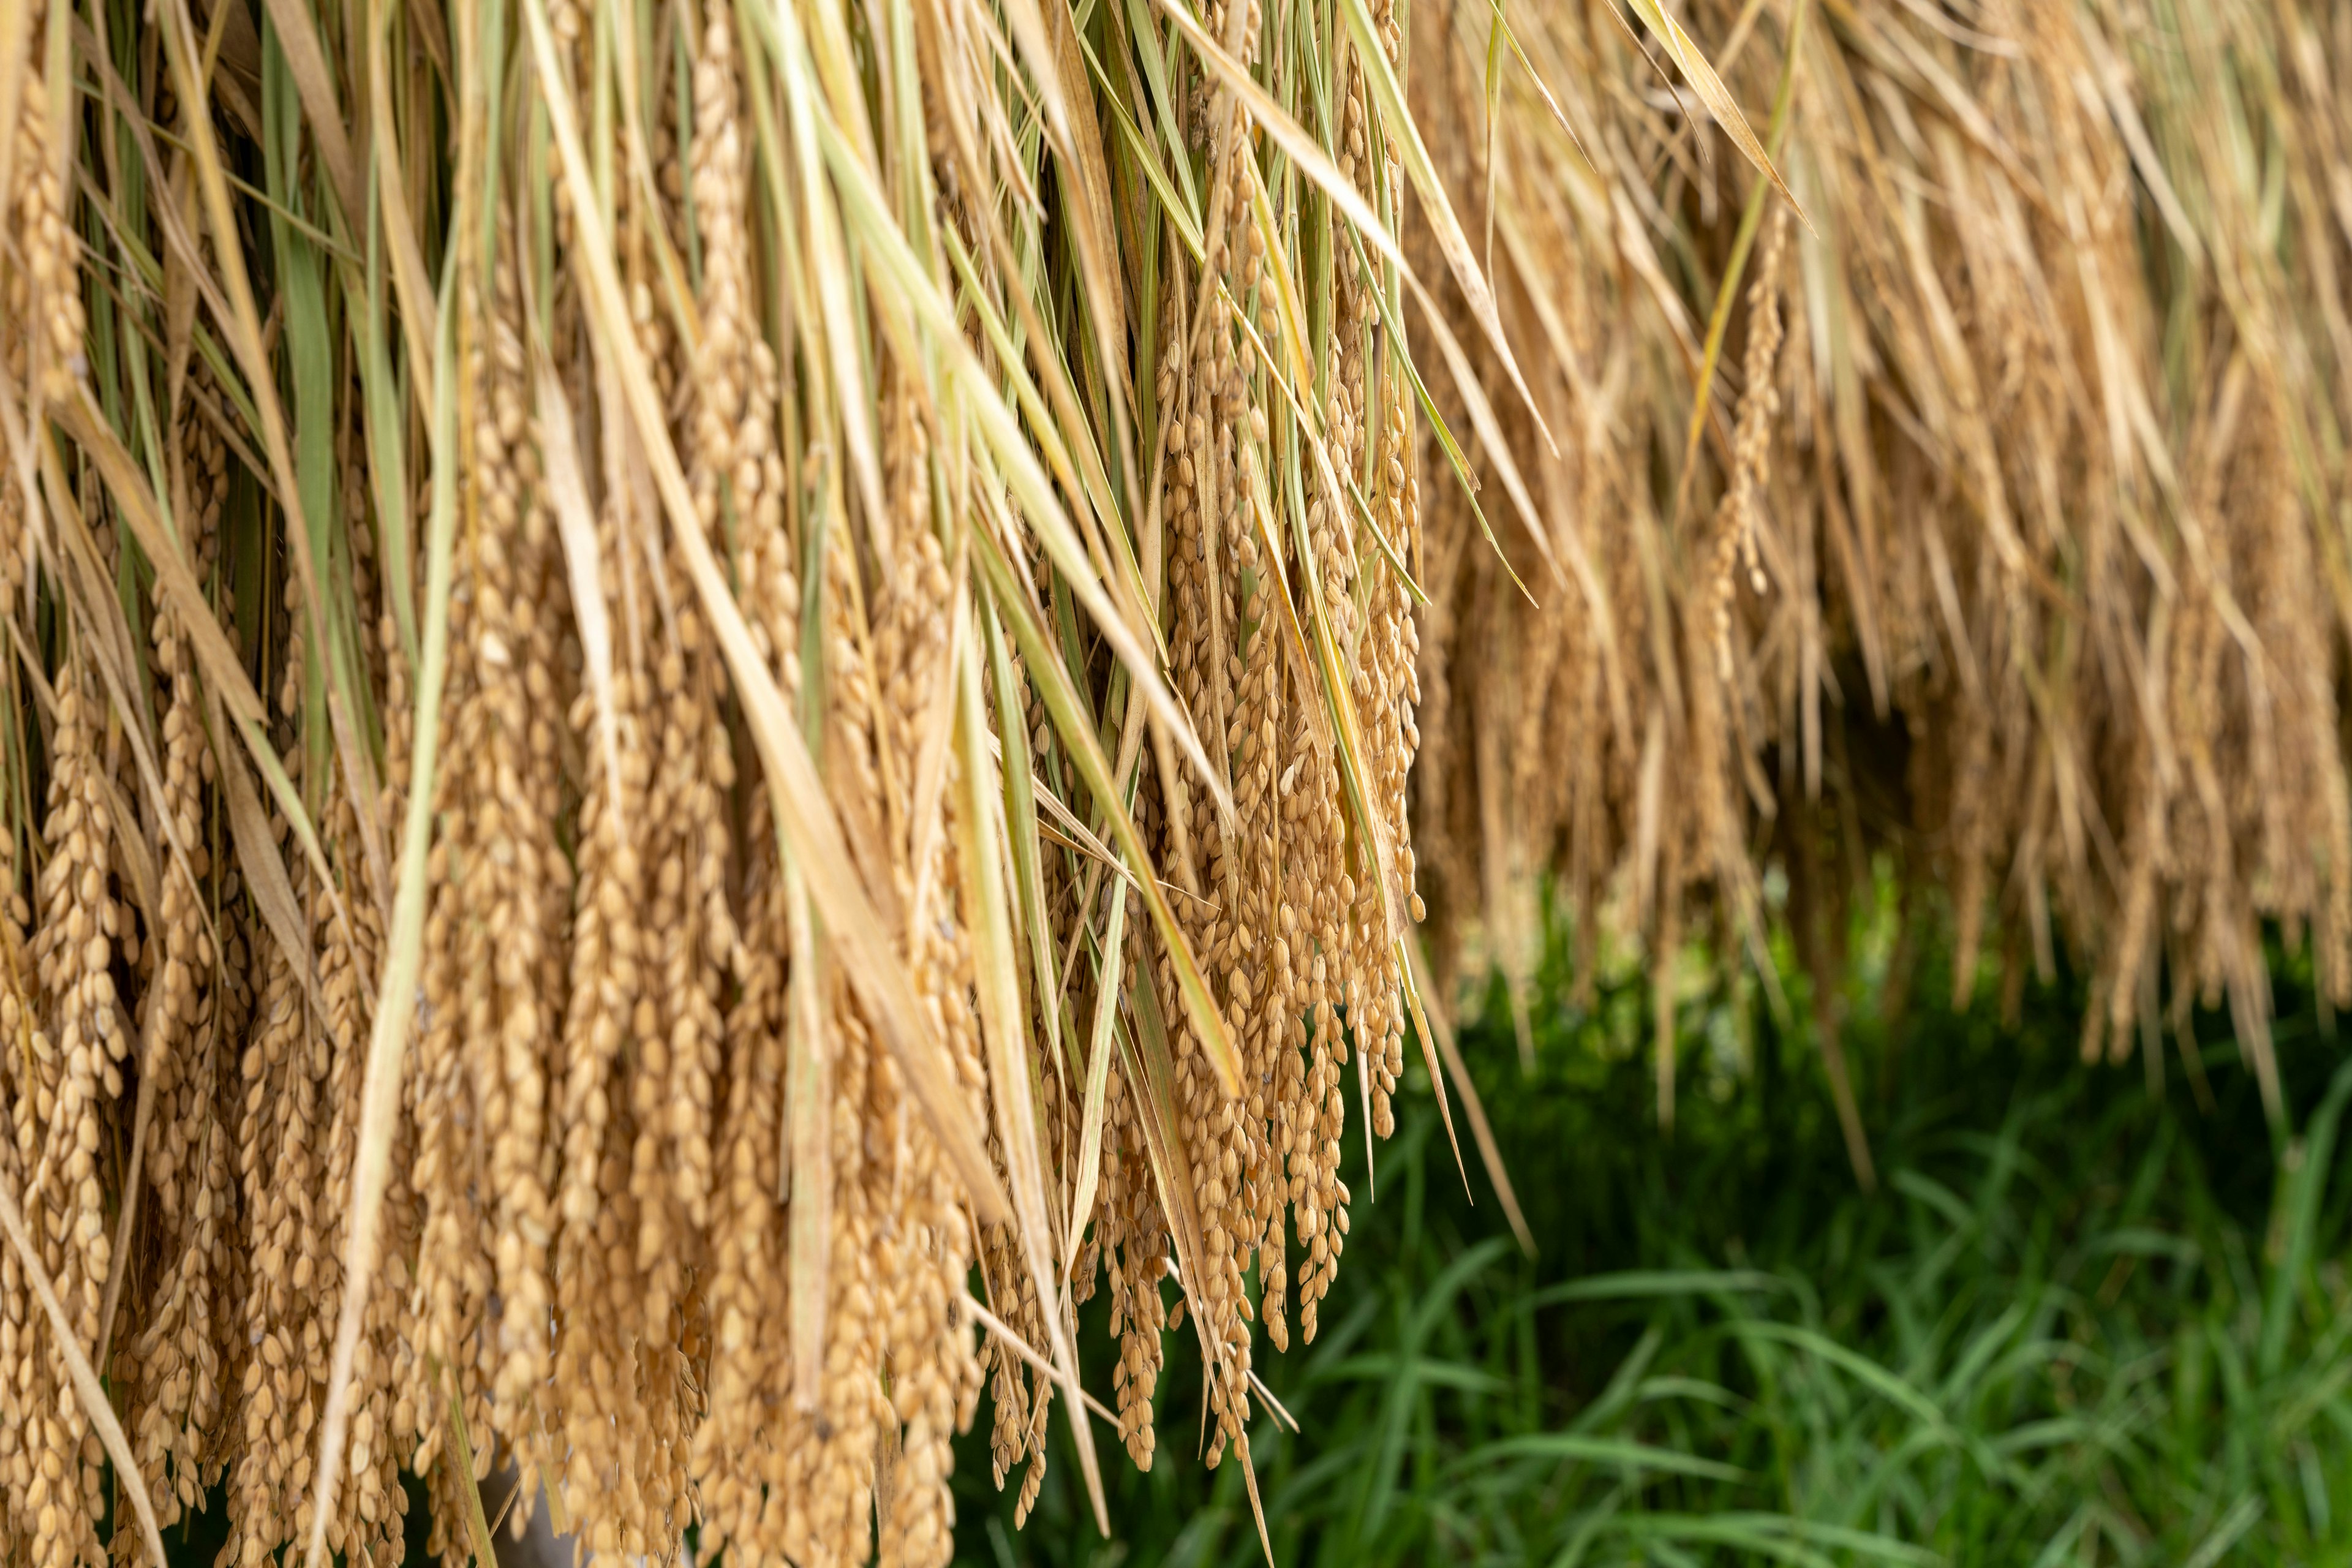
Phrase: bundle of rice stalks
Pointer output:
(1989, 520)
(674, 673)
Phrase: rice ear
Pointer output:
(87, 1388)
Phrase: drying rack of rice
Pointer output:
(707, 707)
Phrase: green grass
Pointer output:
(2080, 1321)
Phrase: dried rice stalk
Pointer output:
(661, 1206)
(2038, 587)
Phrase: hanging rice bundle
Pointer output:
(704, 708)
(1987, 522)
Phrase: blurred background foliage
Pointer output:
(2091, 1315)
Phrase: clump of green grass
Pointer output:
(2080, 1321)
